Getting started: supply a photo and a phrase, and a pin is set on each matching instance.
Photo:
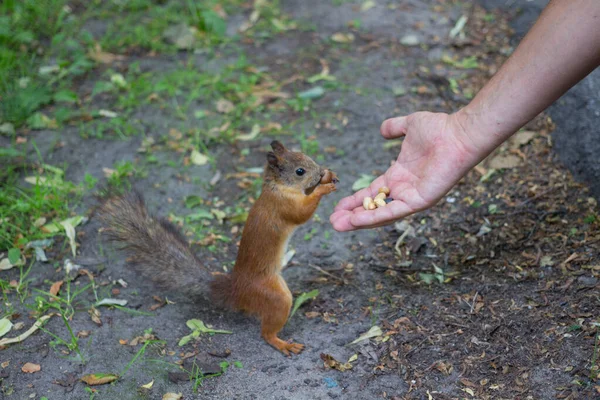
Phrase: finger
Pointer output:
(393, 211)
(356, 200)
(346, 220)
(394, 127)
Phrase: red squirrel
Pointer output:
(293, 186)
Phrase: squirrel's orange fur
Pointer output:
(291, 193)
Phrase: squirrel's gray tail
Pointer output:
(156, 248)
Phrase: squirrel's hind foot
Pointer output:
(285, 347)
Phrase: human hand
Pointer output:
(436, 153)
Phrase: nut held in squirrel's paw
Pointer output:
(329, 177)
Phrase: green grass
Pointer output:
(25, 207)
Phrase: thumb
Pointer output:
(394, 127)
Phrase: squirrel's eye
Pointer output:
(300, 171)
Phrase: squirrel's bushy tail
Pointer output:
(156, 248)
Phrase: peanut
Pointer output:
(380, 195)
(372, 206)
(367, 201)
(379, 202)
(329, 177)
(385, 190)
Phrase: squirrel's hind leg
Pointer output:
(275, 301)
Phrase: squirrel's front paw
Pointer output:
(326, 189)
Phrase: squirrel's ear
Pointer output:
(273, 160)
(277, 147)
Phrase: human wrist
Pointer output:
(481, 131)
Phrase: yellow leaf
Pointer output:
(99, 379)
(148, 385)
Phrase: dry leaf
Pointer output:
(340, 37)
(330, 362)
(70, 232)
(505, 161)
(198, 158)
(148, 385)
(172, 396)
(99, 379)
(522, 138)
(30, 368)
(55, 288)
(27, 333)
(95, 315)
(224, 106)
(103, 57)
(373, 332)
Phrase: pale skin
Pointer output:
(439, 149)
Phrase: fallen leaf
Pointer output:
(458, 27)
(5, 264)
(30, 368)
(26, 334)
(353, 358)
(198, 158)
(148, 385)
(103, 57)
(546, 261)
(70, 232)
(373, 332)
(39, 222)
(5, 326)
(410, 40)
(367, 5)
(224, 106)
(54, 227)
(41, 121)
(181, 35)
(250, 136)
(303, 298)
(172, 396)
(54, 289)
(99, 379)
(312, 314)
(363, 182)
(340, 37)
(95, 315)
(521, 138)
(505, 161)
(108, 114)
(313, 93)
(330, 362)
(111, 302)
(198, 325)
(108, 172)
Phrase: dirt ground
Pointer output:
(492, 294)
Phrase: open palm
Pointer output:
(434, 156)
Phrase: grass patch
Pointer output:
(26, 207)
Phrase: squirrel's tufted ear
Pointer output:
(277, 147)
(273, 160)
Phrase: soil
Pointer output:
(513, 315)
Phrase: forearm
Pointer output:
(561, 49)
